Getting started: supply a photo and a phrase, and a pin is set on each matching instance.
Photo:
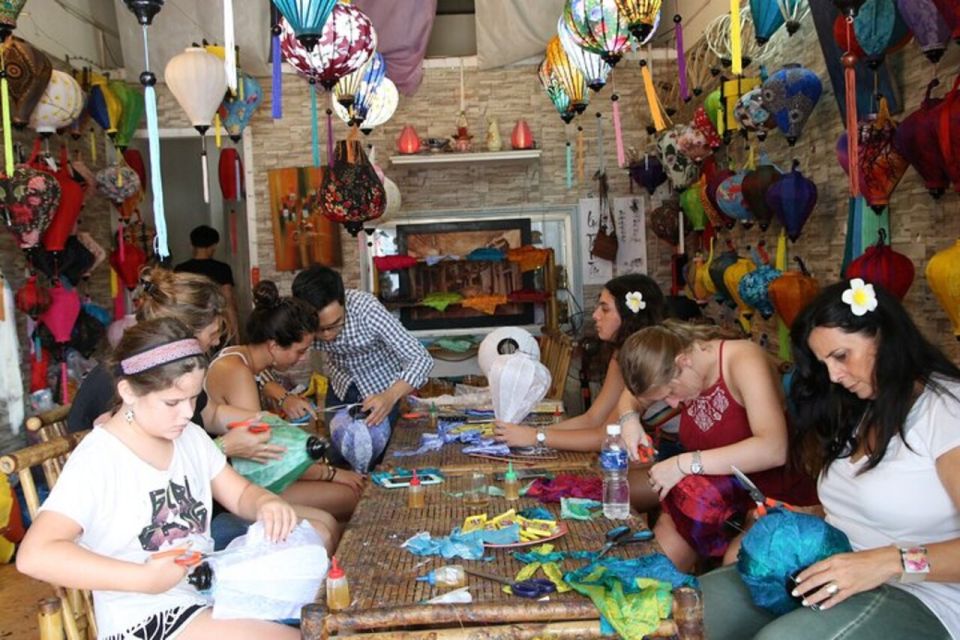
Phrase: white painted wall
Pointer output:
(60, 32)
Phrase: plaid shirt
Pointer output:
(373, 350)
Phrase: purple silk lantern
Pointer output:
(648, 173)
(792, 199)
(928, 27)
(916, 140)
(755, 186)
(790, 95)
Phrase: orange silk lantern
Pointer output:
(792, 291)
(943, 275)
(522, 137)
(409, 141)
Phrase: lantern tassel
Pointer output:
(121, 252)
(617, 132)
(153, 136)
(569, 158)
(330, 137)
(581, 155)
(276, 88)
(205, 170)
(853, 133)
(735, 43)
(601, 164)
(681, 60)
(64, 393)
(37, 348)
(113, 283)
(7, 127)
(314, 123)
(93, 146)
(652, 101)
(681, 248)
(230, 47)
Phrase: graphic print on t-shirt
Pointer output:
(176, 515)
(708, 410)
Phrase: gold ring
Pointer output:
(832, 588)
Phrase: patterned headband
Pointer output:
(161, 355)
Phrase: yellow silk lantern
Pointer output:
(943, 275)
(732, 276)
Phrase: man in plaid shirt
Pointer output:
(371, 357)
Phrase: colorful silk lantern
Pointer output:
(879, 29)
(917, 140)
(642, 16)
(718, 265)
(104, 106)
(664, 220)
(695, 274)
(732, 277)
(752, 115)
(730, 199)
(408, 142)
(118, 182)
(561, 67)
(881, 166)
(521, 137)
(880, 264)
(373, 79)
(236, 110)
(793, 291)
(127, 262)
(681, 170)
(593, 67)
(693, 144)
(693, 208)
(59, 318)
(950, 12)
(27, 202)
(131, 99)
(947, 116)
(943, 276)
(9, 12)
(792, 198)
(382, 105)
(306, 18)
(230, 173)
(648, 172)
(755, 186)
(769, 16)
(928, 26)
(347, 42)
(556, 93)
(790, 95)
(754, 287)
(28, 74)
(352, 87)
(134, 160)
(61, 103)
(599, 27)
(717, 218)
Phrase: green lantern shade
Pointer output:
(131, 99)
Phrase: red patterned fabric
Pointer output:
(566, 486)
(351, 192)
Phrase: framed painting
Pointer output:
(302, 236)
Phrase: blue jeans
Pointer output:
(350, 397)
(884, 613)
(226, 526)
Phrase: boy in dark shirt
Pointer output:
(204, 241)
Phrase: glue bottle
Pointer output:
(511, 484)
(451, 575)
(415, 497)
(338, 591)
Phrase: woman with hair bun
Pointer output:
(280, 330)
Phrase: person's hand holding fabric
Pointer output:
(515, 435)
(379, 405)
(665, 475)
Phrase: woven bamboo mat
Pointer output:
(451, 460)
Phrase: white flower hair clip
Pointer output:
(634, 301)
(860, 296)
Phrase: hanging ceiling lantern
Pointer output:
(848, 8)
(28, 74)
(9, 12)
(559, 97)
(61, 103)
(943, 276)
(598, 26)
(752, 115)
(131, 112)
(790, 95)
(641, 16)
(755, 186)
(347, 42)
(793, 291)
(104, 106)
(648, 172)
(768, 16)
(349, 86)
(594, 68)
(382, 105)
(236, 110)
(145, 10)
(754, 288)
(879, 29)
(880, 165)
(880, 264)
(306, 18)
(27, 202)
(693, 208)
(928, 27)
(681, 170)
(372, 80)
(792, 199)
(917, 140)
(562, 68)
(665, 222)
(731, 202)
(950, 11)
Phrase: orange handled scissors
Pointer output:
(184, 557)
(253, 425)
(763, 502)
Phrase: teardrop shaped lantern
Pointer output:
(28, 200)
(717, 268)
(793, 291)
(880, 264)
(104, 106)
(790, 95)
(755, 186)
(693, 208)
(306, 18)
(561, 67)
(754, 288)
(792, 198)
(236, 110)
(880, 165)
(917, 140)
(61, 103)
(693, 144)
(131, 99)
(928, 27)
(28, 74)
(408, 142)
(198, 80)
(521, 137)
(593, 67)
(730, 199)
(880, 30)
(648, 172)
(732, 277)
(947, 116)
(768, 17)
(752, 115)
(943, 276)
(681, 170)
(558, 97)
(664, 220)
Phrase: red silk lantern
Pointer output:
(39, 369)
(62, 313)
(950, 10)
(880, 264)
(68, 210)
(947, 117)
(522, 137)
(791, 292)
(231, 174)
(31, 298)
(127, 263)
(755, 186)
(135, 161)
(916, 140)
(409, 141)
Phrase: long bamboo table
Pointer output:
(388, 603)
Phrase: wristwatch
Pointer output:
(914, 563)
(696, 464)
(541, 435)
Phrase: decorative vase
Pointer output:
(493, 140)
(522, 137)
(408, 142)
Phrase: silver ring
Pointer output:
(832, 589)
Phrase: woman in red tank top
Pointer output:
(733, 415)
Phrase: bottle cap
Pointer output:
(415, 480)
(510, 475)
(430, 578)
(335, 570)
(613, 429)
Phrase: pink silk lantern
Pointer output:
(60, 317)
(522, 137)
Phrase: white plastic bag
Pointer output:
(255, 578)
(517, 384)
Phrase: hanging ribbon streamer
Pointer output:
(853, 131)
(581, 155)
(652, 100)
(7, 127)
(617, 132)
(314, 123)
(217, 137)
(330, 137)
(93, 146)
(681, 60)
(735, 40)
(601, 163)
(204, 169)
(783, 333)
(230, 47)
(148, 79)
(113, 283)
(276, 87)
(569, 157)
(681, 248)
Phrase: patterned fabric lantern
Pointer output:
(792, 198)
(306, 18)
(917, 140)
(104, 106)
(706, 126)
(561, 67)
(347, 42)
(754, 287)
(947, 117)
(642, 17)
(681, 171)
(593, 67)
(793, 291)
(717, 218)
(879, 29)
(928, 27)
(664, 220)
(353, 87)
(133, 106)
(693, 144)
(755, 186)
(730, 199)
(648, 172)
(28, 74)
(880, 264)
(9, 12)
(27, 202)
(237, 110)
(559, 97)
(714, 177)
(408, 142)
(943, 276)
(383, 104)
(752, 115)
(117, 183)
(732, 277)
(950, 12)
(880, 164)
(693, 208)
(61, 103)
(790, 95)
(599, 27)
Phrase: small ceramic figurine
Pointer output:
(461, 141)
(494, 143)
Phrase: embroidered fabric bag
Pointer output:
(351, 191)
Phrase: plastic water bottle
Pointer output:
(613, 465)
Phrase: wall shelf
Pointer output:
(451, 157)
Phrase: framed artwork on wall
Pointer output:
(302, 236)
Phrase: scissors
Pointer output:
(533, 588)
(622, 535)
(763, 502)
(253, 425)
(184, 557)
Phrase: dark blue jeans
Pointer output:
(353, 396)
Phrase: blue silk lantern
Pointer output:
(648, 173)
(768, 17)
(754, 287)
(877, 27)
(731, 202)
(790, 95)
(599, 27)
(372, 75)
(306, 18)
(104, 107)
(357, 443)
(237, 110)
(792, 199)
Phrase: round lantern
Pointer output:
(642, 17)
(306, 18)
(28, 74)
(792, 198)
(754, 287)
(352, 87)
(793, 291)
(61, 103)
(917, 140)
(693, 144)
(347, 42)
(880, 264)
(593, 67)
(732, 277)
(381, 104)
(408, 142)
(118, 182)
(730, 199)
(928, 27)
(790, 95)
(27, 201)
(755, 186)
(943, 276)
(522, 137)
(134, 160)
(648, 173)
(681, 171)
(599, 27)
(752, 115)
